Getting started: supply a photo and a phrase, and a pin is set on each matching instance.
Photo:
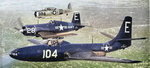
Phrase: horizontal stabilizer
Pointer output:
(108, 35)
(34, 41)
(80, 25)
(131, 39)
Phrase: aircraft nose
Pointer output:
(14, 54)
(24, 30)
(35, 14)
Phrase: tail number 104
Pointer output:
(48, 53)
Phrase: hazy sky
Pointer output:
(39, 4)
(99, 11)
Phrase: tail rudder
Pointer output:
(76, 18)
(125, 34)
(69, 6)
(125, 31)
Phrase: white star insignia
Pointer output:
(106, 48)
(61, 27)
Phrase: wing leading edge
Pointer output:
(108, 35)
(53, 35)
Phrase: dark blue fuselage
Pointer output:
(52, 26)
(58, 53)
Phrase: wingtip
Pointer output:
(16, 28)
(136, 62)
(145, 38)
(131, 61)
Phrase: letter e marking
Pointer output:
(127, 27)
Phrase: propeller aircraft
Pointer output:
(52, 29)
(52, 11)
(55, 50)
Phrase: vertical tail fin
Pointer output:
(69, 6)
(125, 31)
(76, 18)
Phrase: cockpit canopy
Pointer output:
(52, 21)
(56, 42)
(50, 8)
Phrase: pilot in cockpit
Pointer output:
(52, 21)
(54, 42)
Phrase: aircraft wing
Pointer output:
(106, 59)
(53, 35)
(88, 55)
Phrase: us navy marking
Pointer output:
(61, 27)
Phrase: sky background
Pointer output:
(93, 12)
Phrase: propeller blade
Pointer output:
(54, 11)
(17, 28)
(21, 25)
(20, 21)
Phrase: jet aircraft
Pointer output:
(52, 11)
(53, 29)
(64, 50)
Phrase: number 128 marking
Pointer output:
(48, 53)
